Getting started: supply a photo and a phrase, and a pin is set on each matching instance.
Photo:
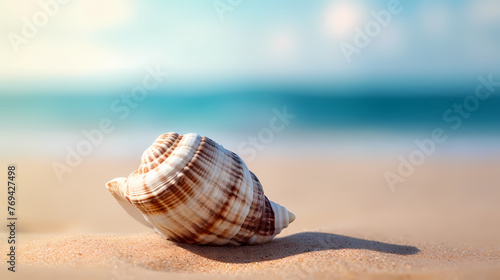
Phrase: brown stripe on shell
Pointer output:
(177, 190)
(208, 226)
(171, 193)
(251, 223)
(160, 151)
(266, 225)
(210, 217)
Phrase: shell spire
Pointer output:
(192, 190)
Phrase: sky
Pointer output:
(81, 48)
(214, 41)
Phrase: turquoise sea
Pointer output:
(349, 119)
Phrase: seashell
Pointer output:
(192, 190)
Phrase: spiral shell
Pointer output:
(192, 190)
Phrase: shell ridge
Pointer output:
(218, 195)
(177, 191)
(193, 190)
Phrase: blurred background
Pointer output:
(230, 66)
(65, 67)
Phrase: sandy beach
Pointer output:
(322, 100)
(441, 224)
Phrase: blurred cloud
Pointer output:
(67, 44)
(436, 19)
(283, 44)
(93, 15)
(484, 11)
(342, 17)
(75, 57)
(293, 39)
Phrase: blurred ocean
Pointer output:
(342, 120)
(228, 77)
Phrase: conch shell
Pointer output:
(192, 190)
